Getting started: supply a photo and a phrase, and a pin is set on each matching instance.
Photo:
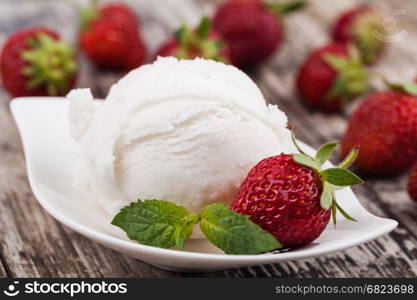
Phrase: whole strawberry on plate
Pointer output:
(110, 36)
(252, 28)
(36, 62)
(201, 42)
(384, 127)
(292, 197)
(331, 76)
(363, 26)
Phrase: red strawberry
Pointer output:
(331, 76)
(291, 197)
(202, 42)
(110, 37)
(384, 127)
(361, 26)
(252, 28)
(412, 183)
(36, 62)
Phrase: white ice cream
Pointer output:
(186, 131)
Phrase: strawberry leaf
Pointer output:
(340, 177)
(326, 197)
(411, 88)
(325, 152)
(344, 213)
(156, 223)
(235, 233)
(204, 28)
(334, 211)
(281, 8)
(306, 161)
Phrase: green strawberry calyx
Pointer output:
(283, 8)
(88, 14)
(351, 79)
(50, 63)
(366, 30)
(197, 43)
(334, 178)
(407, 88)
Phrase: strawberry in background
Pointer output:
(110, 36)
(36, 62)
(361, 26)
(252, 28)
(201, 42)
(384, 127)
(331, 76)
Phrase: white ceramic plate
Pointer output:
(43, 126)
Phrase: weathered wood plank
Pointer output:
(33, 244)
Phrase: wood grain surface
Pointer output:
(32, 244)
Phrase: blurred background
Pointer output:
(33, 244)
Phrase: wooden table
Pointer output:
(33, 244)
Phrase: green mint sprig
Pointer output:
(156, 223)
(164, 224)
(235, 233)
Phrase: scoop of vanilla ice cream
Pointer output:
(186, 131)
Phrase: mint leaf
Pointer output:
(340, 177)
(156, 223)
(306, 161)
(325, 152)
(235, 233)
(186, 229)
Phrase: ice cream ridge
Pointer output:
(185, 131)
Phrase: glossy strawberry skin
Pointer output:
(384, 127)
(412, 183)
(252, 32)
(316, 78)
(283, 197)
(12, 64)
(113, 39)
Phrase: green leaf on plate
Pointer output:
(235, 233)
(156, 223)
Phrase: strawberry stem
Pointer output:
(297, 146)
